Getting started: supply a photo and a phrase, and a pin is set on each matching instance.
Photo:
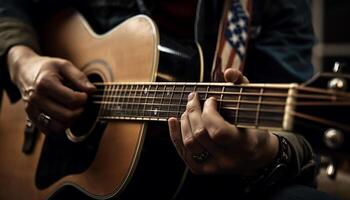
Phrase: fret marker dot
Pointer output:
(168, 92)
(145, 91)
(155, 112)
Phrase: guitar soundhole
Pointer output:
(87, 121)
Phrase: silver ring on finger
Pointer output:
(44, 120)
(201, 157)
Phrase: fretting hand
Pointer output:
(210, 145)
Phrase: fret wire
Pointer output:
(138, 106)
(206, 94)
(181, 97)
(133, 100)
(103, 107)
(171, 99)
(258, 107)
(238, 104)
(221, 96)
(128, 98)
(161, 100)
(112, 108)
(146, 93)
(124, 99)
(110, 90)
(152, 108)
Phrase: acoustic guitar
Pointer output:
(115, 149)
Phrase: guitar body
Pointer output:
(119, 159)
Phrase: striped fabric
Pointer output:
(233, 37)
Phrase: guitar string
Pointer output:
(242, 119)
(177, 115)
(275, 103)
(280, 95)
(223, 108)
(321, 120)
(298, 88)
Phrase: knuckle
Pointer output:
(218, 135)
(189, 142)
(199, 132)
(190, 108)
(43, 84)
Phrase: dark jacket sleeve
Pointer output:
(280, 51)
(15, 28)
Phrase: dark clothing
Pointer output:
(279, 49)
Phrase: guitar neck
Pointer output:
(248, 105)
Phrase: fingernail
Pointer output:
(89, 84)
(190, 96)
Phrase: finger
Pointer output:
(75, 77)
(55, 110)
(51, 86)
(189, 141)
(175, 135)
(235, 76)
(219, 130)
(54, 126)
(199, 133)
(208, 167)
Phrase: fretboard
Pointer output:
(249, 105)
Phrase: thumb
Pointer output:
(235, 76)
(76, 78)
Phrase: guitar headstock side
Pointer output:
(322, 109)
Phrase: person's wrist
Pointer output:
(266, 153)
(274, 172)
(269, 153)
(17, 57)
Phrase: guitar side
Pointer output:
(126, 53)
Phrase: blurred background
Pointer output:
(332, 27)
